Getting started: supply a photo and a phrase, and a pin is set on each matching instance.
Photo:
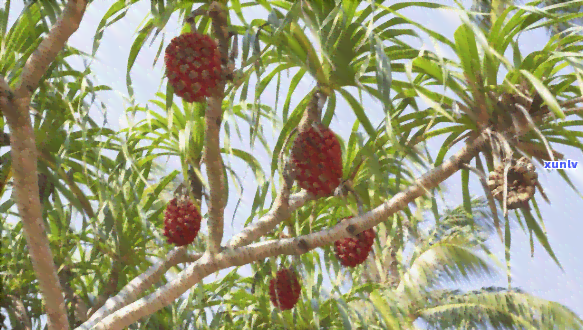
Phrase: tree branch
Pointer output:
(281, 209)
(20, 311)
(138, 285)
(24, 158)
(79, 307)
(38, 63)
(212, 148)
(109, 288)
(207, 265)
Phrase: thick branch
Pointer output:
(24, 158)
(26, 194)
(207, 265)
(38, 63)
(138, 285)
(215, 173)
(212, 148)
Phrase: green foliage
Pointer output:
(105, 215)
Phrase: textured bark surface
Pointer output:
(212, 143)
(15, 107)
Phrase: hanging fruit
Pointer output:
(181, 221)
(193, 66)
(353, 251)
(522, 181)
(317, 158)
(285, 289)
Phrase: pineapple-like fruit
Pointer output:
(285, 289)
(317, 158)
(353, 251)
(181, 221)
(522, 180)
(193, 66)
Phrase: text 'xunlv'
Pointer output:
(560, 164)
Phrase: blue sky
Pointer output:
(539, 275)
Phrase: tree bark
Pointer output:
(15, 106)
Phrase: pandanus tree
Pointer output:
(357, 195)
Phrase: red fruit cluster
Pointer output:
(317, 158)
(285, 289)
(354, 251)
(193, 66)
(181, 222)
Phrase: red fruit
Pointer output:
(193, 66)
(285, 289)
(318, 160)
(181, 222)
(354, 251)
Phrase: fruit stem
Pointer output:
(221, 29)
(196, 185)
(313, 111)
(190, 19)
